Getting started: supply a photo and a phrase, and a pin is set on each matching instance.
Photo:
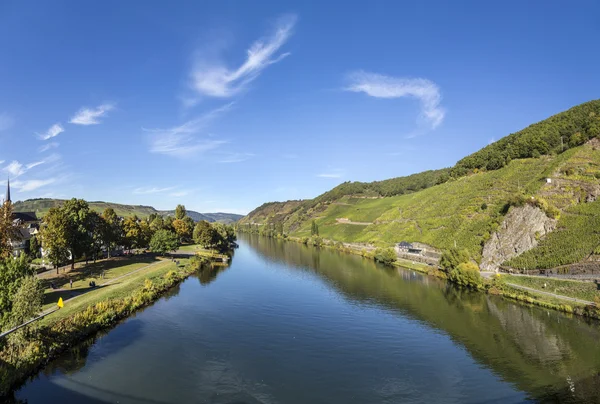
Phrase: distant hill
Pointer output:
(553, 165)
(220, 217)
(42, 205)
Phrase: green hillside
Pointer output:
(463, 205)
(42, 205)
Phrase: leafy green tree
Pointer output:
(180, 212)
(111, 229)
(34, 247)
(96, 230)
(168, 223)
(78, 235)
(386, 256)
(54, 236)
(206, 235)
(314, 229)
(453, 257)
(157, 223)
(27, 301)
(12, 272)
(8, 230)
(164, 241)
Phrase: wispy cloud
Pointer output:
(335, 173)
(6, 121)
(380, 86)
(91, 116)
(31, 185)
(151, 190)
(53, 131)
(15, 169)
(47, 146)
(182, 141)
(236, 157)
(179, 194)
(210, 77)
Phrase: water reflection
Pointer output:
(549, 355)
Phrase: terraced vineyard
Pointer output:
(576, 238)
(439, 216)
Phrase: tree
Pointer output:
(54, 236)
(314, 230)
(156, 223)
(27, 301)
(164, 241)
(226, 233)
(386, 256)
(34, 247)
(452, 258)
(12, 272)
(131, 231)
(180, 212)
(145, 234)
(182, 229)
(168, 223)
(96, 230)
(205, 234)
(78, 235)
(8, 230)
(111, 229)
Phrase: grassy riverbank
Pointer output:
(578, 289)
(25, 351)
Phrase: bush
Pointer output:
(466, 274)
(452, 258)
(386, 256)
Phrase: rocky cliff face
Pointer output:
(519, 232)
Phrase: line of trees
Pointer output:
(73, 231)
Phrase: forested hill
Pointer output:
(42, 205)
(553, 165)
(554, 135)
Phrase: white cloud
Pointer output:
(6, 121)
(31, 185)
(380, 86)
(47, 146)
(151, 190)
(35, 164)
(53, 131)
(89, 116)
(181, 141)
(178, 194)
(212, 78)
(15, 169)
(330, 175)
(236, 157)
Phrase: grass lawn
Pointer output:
(82, 276)
(190, 247)
(577, 289)
(119, 289)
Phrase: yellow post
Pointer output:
(60, 303)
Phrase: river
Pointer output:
(286, 323)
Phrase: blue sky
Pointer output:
(222, 106)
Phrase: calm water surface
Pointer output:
(287, 323)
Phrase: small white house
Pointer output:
(548, 180)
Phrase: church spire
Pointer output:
(8, 191)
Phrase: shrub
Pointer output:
(386, 256)
(466, 274)
(452, 258)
